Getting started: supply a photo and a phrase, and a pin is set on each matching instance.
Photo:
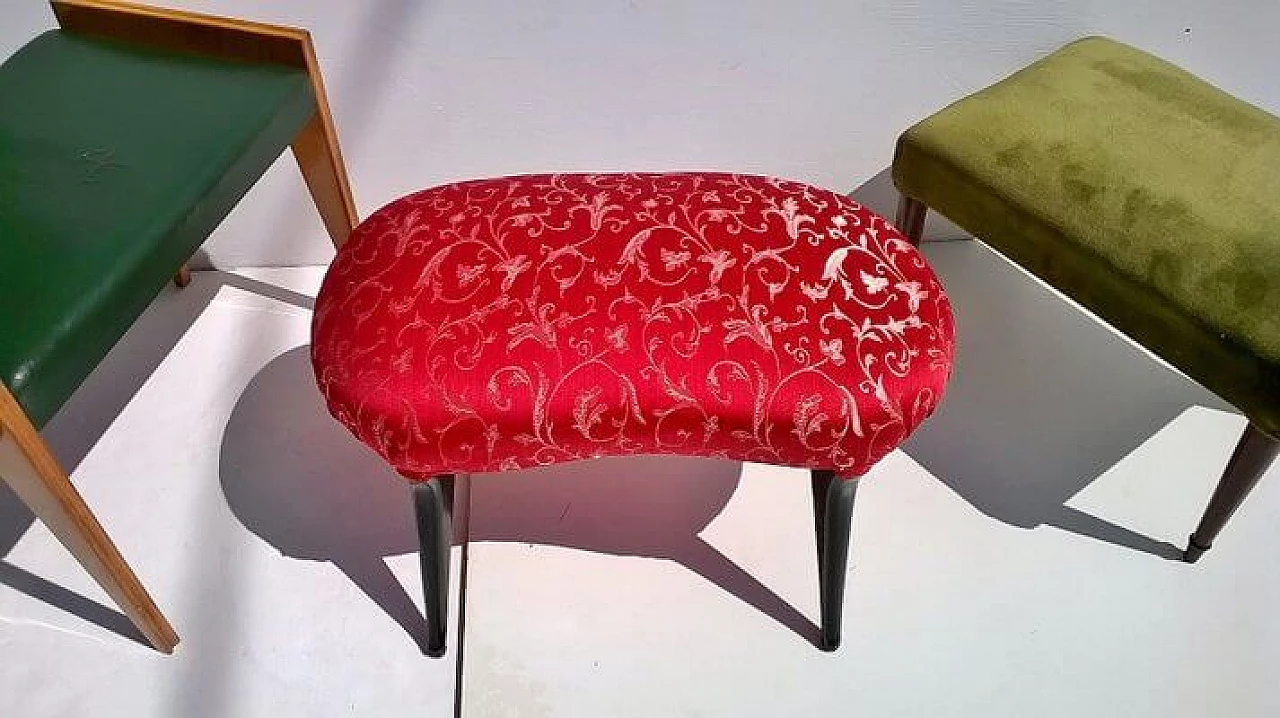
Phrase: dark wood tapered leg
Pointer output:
(183, 277)
(911, 214)
(1252, 456)
(832, 517)
(433, 504)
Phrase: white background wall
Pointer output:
(430, 91)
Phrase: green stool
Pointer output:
(126, 137)
(1145, 194)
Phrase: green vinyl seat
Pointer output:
(126, 136)
(1142, 192)
(116, 162)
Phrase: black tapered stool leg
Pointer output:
(832, 518)
(1249, 462)
(433, 504)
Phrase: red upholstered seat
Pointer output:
(505, 323)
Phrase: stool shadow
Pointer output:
(1043, 401)
(67, 600)
(295, 478)
(646, 506)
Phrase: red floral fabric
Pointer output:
(504, 323)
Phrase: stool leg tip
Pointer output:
(1194, 551)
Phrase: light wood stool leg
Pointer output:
(29, 468)
(316, 151)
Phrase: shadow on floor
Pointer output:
(51, 593)
(95, 405)
(1043, 400)
(295, 478)
(298, 480)
(648, 506)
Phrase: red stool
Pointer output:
(499, 324)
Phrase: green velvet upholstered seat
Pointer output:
(1144, 193)
(116, 162)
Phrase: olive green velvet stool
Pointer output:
(1147, 195)
(126, 136)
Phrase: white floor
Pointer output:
(1014, 560)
